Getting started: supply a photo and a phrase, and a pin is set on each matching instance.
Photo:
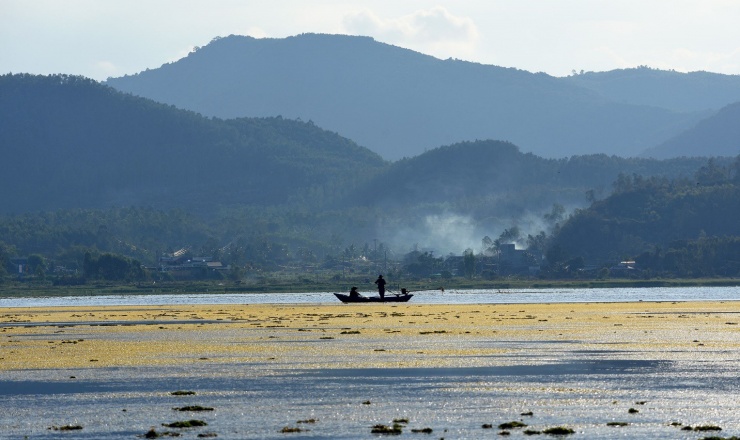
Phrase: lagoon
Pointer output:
(469, 296)
(608, 363)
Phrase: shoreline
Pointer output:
(15, 289)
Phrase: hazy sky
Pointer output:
(102, 38)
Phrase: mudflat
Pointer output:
(360, 335)
(645, 370)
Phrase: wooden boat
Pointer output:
(366, 299)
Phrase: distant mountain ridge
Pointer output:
(400, 103)
(676, 91)
(719, 133)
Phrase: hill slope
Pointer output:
(495, 170)
(71, 142)
(397, 102)
(645, 215)
(718, 134)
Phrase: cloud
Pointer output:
(434, 31)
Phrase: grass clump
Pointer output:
(423, 430)
(66, 428)
(707, 428)
(193, 408)
(154, 434)
(185, 424)
(512, 425)
(289, 429)
(396, 429)
(558, 430)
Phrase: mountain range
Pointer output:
(400, 103)
(71, 144)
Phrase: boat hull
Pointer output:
(373, 299)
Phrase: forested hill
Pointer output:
(70, 142)
(497, 177)
(719, 133)
(687, 227)
(400, 103)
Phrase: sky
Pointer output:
(110, 38)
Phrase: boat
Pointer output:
(393, 297)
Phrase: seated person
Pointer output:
(353, 293)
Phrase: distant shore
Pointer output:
(33, 289)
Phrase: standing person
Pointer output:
(381, 286)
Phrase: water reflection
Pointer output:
(346, 403)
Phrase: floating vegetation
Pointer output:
(367, 402)
(632, 411)
(405, 421)
(66, 428)
(290, 429)
(207, 435)
(512, 425)
(558, 430)
(154, 434)
(707, 428)
(528, 413)
(486, 426)
(307, 421)
(326, 337)
(396, 429)
(193, 408)
(423, 431)
(350, 332)
(433, 332)
(183, 393)
(186, 424)
(617, 424)
(720, 438)
(531, 432)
